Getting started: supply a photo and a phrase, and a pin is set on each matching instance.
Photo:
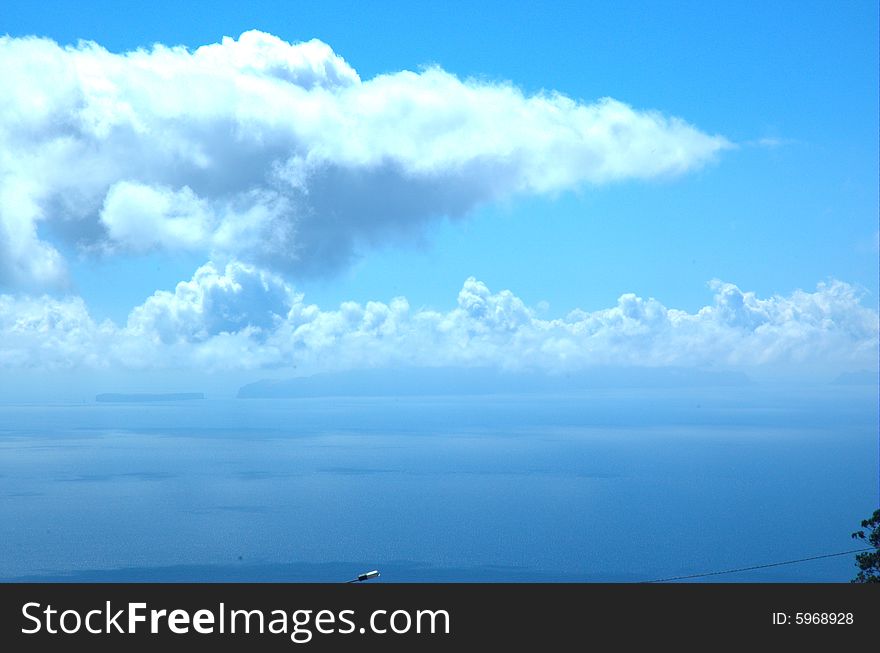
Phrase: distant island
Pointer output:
(481, 381)
(113, 397)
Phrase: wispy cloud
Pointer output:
(279, 154)
(771, 142)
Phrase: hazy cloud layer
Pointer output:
(242, 317)
(279, 154)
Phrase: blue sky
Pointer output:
(790, 200)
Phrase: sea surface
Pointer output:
(606, 485)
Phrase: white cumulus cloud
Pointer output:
(213, 302)
(241, 317)
(279, 154)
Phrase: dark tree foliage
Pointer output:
(869, 562)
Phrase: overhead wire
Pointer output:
(752, 568)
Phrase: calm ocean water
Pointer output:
(613, 485)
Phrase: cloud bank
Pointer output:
(279, 154)
(277, 160)
(243, 318)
